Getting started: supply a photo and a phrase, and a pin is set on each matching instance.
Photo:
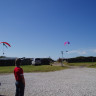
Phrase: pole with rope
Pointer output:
(62, 59)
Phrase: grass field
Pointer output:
(86, 64)
(31, 68)
(45, 68)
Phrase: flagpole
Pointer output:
(62, 59)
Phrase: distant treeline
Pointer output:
(79, 59)
(11, 62)
(24, 61)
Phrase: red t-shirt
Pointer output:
(17, 73)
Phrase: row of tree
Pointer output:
(7, 61)
(78, 59)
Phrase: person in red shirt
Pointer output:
(19, 77)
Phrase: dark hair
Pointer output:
(18, 62)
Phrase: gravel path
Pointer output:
(68, 82)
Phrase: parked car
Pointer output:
(37, 61)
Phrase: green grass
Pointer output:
(6, 69)
(86, 64)
(45, 68)
(31, 68)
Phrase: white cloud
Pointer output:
(94, 50)
(80, 52)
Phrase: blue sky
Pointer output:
(39, 28)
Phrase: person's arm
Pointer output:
(23, 79)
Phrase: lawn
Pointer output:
(31, 68)
(45, 68)
(86, 64)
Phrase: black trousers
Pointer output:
(19, 88)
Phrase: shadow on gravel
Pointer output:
(2, 95)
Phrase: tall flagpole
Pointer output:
(62, 59)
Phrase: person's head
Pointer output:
(18, 62)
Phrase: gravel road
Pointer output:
(68, 82)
